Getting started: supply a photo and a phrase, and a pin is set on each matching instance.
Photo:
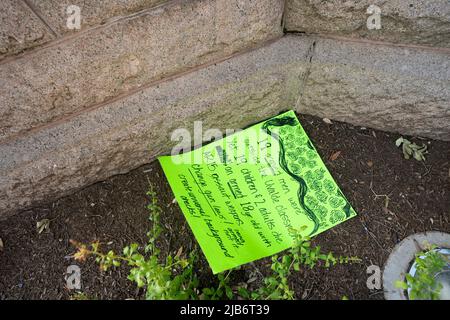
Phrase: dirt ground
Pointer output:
(394, 197)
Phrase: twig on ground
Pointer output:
(373, 236)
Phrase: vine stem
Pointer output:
(220, 284)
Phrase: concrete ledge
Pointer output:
(102, 63)
(397, 89)
(130, 132)
(424, 22)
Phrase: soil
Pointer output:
(394, 198)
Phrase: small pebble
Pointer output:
(327, 121)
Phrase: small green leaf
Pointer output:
(229, 293)
(243, 292)
(401, 285)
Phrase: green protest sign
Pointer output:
(246, 195)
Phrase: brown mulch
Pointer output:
(394, 197)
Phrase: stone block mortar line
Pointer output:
(308, 60)
(371, 42)
(65, 38)
(132, 92)
(283, 17)
(69, 37)
(38, 14)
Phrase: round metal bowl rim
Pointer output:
(401, 257)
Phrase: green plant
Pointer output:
(224, 287)
(174, 277)
(276, 285)
(411, 149)
(423, 285)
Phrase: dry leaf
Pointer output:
(42, 225)
(370, 164)
(335, 155)
(180, 251)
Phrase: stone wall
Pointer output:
(20, 28)
(134, 130)
(99, 64)
(77, 106)
(390, 88)
(94, 12)
(421, 22)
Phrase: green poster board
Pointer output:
(244, 196)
